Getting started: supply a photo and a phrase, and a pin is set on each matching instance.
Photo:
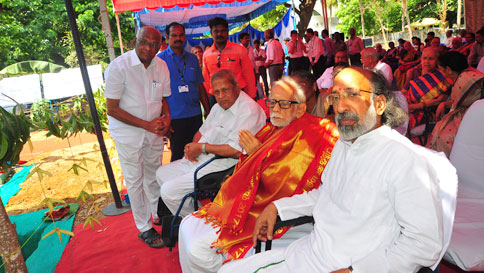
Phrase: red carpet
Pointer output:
(115, 248)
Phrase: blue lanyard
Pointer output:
(182, 73)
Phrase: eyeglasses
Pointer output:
(348, 94)
(218, 61)
(283, 104)
(145, 43)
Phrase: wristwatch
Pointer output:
(203, 149)
(350, 268)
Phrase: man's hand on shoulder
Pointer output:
(248, 141)
(192, 151)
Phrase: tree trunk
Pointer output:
(442, 4)
(107, 29)
(379, 15)
(305, 12)
(405, 10)
(362, 11)
(459, 13)
(9, 246)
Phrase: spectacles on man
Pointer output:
(145, 43)
(350, 94)
(218, 61)
(283, 104)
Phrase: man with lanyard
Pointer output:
(224, 54)
(139, 117)
(187, 90)
(355, 46)
(296, 48)
(275, 57)
(315, 53)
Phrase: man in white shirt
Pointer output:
(244, 39)
(379, 208)
(447, 41)
(355, 46)
(261, 71)
(296, 49)
(218, 135)
(370, 60)
(315, 53)
(139, 117)
(326, 80)
(275, 57)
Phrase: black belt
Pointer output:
(274, 65)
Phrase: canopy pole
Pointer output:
(92, 104)
(325, 14)
(119, 34)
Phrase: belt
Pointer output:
(274, 65)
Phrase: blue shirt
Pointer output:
(183, 104)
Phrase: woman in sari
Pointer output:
(468, 88)
(408, 60)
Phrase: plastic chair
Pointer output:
(205, 187)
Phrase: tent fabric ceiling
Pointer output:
(136, 5)
(236, 14)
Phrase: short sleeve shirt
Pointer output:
(184, 71)
(140, 92)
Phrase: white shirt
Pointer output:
(326, 80)
(297, 47)
(480, 66)
(257, 53)
(140, 91)
(329, 45)
(274, 52)
(447, 41)
(315, 48)
(378, 208)
(223, 126)
(386, 71)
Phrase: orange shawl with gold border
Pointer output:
(290, 161)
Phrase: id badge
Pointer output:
(183, 88)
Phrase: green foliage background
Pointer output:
(349, 14)
(39, 30)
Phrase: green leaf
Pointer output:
(75, 168)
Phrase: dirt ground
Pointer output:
(57, 157)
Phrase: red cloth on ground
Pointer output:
(115, 247)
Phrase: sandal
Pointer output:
(151, 238)
(157, 222)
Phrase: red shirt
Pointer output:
(234, 58)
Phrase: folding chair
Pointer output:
(205, 187)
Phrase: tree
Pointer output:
(39, 30)
(305, 11)
(10, 248)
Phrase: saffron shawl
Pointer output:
(289, 161)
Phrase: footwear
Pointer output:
(151, 238)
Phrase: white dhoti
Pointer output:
(176, 180)
(139, 166)
(195, 240)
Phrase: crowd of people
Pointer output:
(326, 140)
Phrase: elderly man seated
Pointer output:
(371, 60)
(379, 208)
(233, 112)
(284, 158)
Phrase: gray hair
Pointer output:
(289, 83)
(141, 30)
(225, 74)
(394, 115)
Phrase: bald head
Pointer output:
(369, 57)
(148, 41)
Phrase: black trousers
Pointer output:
(184, 130)
(318, 68)
(355, 59)
(263, 74)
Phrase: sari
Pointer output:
(466, 90)
(289, 161)
(423, 89)
(401, 72)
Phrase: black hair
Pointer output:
(173, 24)
(310, 31)
(242, 35)
(217, 21)
(455, 60)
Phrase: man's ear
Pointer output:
(301, 109)
(380, 104)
